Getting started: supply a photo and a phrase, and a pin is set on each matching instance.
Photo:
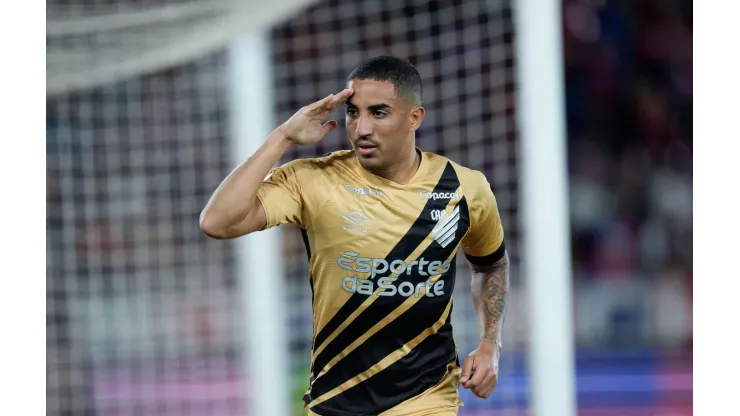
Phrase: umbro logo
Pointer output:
(356, 218)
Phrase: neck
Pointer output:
(402, 170)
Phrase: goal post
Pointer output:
(544, 206)
(258, 256)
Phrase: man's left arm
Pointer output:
(486, 251)
(489, 288)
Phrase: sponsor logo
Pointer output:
(353, 262)
(363, 191)
(385, 284)
(356, 218)
(357, 265)
(439, 195)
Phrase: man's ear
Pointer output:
(416, 116)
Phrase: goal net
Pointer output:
(143, 312)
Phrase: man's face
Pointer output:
(380, 123)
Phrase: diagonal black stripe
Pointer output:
(304, 236)
(401, 330)
(448, 182)
(419, 370)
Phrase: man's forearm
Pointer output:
(490, 287)
(232, 199)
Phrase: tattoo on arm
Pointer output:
(490, 290)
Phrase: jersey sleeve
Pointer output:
(484, 242)
(281, 195)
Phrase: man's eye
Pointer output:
(379, 114)
(351, 112)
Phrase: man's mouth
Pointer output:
(366, 148)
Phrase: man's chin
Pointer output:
(368, 161)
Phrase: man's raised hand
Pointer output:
(307, 125)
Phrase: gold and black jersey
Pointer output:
(382, 272)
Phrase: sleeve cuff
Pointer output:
(489, 259)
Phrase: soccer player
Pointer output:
(382, 223)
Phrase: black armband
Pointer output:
(488, 259)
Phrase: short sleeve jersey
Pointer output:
(382, 271)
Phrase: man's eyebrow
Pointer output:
(375, 107)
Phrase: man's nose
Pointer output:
(364, 127)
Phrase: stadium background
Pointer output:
(143, 312)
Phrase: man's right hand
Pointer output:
(307, 126)
(234, 209)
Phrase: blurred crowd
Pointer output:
(629, 108)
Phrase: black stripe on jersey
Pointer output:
(489, 259)
(304, 236)
(397, 333)
(423, 225)
(419, 370)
